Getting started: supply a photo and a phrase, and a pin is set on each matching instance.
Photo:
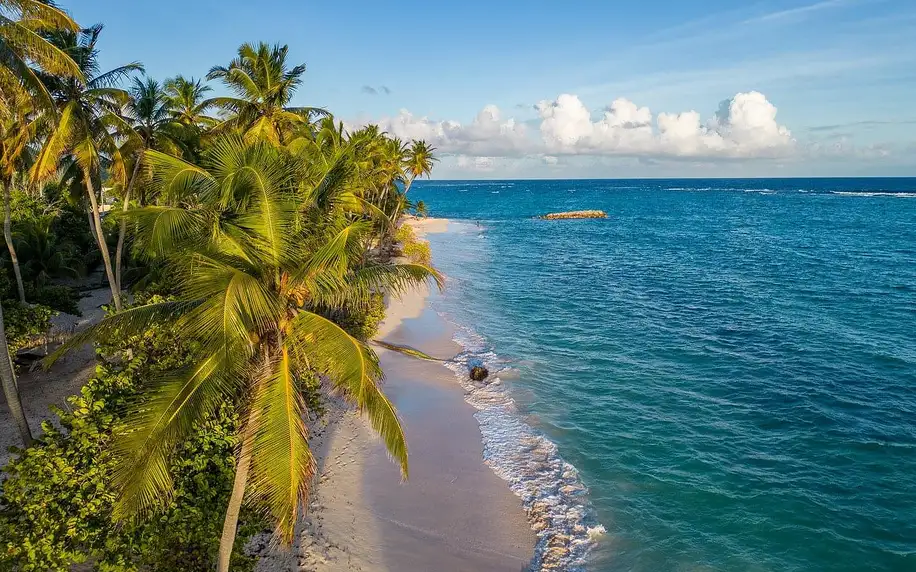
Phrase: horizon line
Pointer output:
(429, 181)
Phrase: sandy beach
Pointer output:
(453, 514)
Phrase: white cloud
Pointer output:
(485, 164)
(744, 127)
(487, 134)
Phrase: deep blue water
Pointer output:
(730, 364)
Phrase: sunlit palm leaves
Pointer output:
(261, 245)
(263, 86)
(89, 126)
(23, 48)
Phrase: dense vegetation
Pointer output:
(255, 240)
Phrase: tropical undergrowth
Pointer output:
(56, 501)
(413, 248)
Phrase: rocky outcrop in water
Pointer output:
(479, 373)
(574, 214)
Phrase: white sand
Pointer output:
(425, 225)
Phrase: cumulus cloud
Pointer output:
(487, 135)
(485, 164)
(743, 127)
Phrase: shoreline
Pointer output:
(454, 512)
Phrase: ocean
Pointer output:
(721, 376)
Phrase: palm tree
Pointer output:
(47, 256)
(18, 126)
(264, 87)
(16, 131)
(23, 46)
(190, 108)
(153, 127)
(89, 117)
(10, 387)
(187, 102)
(418, 161)
(261, 249)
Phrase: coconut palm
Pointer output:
(261, 250)
(187, 102)
(16, 132)
(264, 87)
(18, 126)
(418, 162)
(11, 389)
(190, 108)
(24, 50)
(89, 118)
(151, 120)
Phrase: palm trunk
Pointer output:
(95, 237)
(243, 465)
(10, 390)
(122, 230)
(8, 236)
(103, 247)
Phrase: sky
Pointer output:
(652, 88)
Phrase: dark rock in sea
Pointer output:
(575, 214)
(479, 373)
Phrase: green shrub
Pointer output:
(25, 326)
(56, 502)
(363, 323)
(60, 298)
(405, 234)
(418, 252)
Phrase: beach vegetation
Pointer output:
(254, 236)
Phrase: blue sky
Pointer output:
(809, 87)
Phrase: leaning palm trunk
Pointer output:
(103, 246)
(122, 228)
(230, 524)
(8, 236)
(242, 468)
(10, 389)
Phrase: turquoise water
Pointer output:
(729, 364)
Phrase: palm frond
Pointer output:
(177, 401)
(282, 465)
(115, 76)
(406, 350)
(176, 178)
(354, 371)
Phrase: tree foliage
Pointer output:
(269, 227)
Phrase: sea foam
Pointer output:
(553, 495)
